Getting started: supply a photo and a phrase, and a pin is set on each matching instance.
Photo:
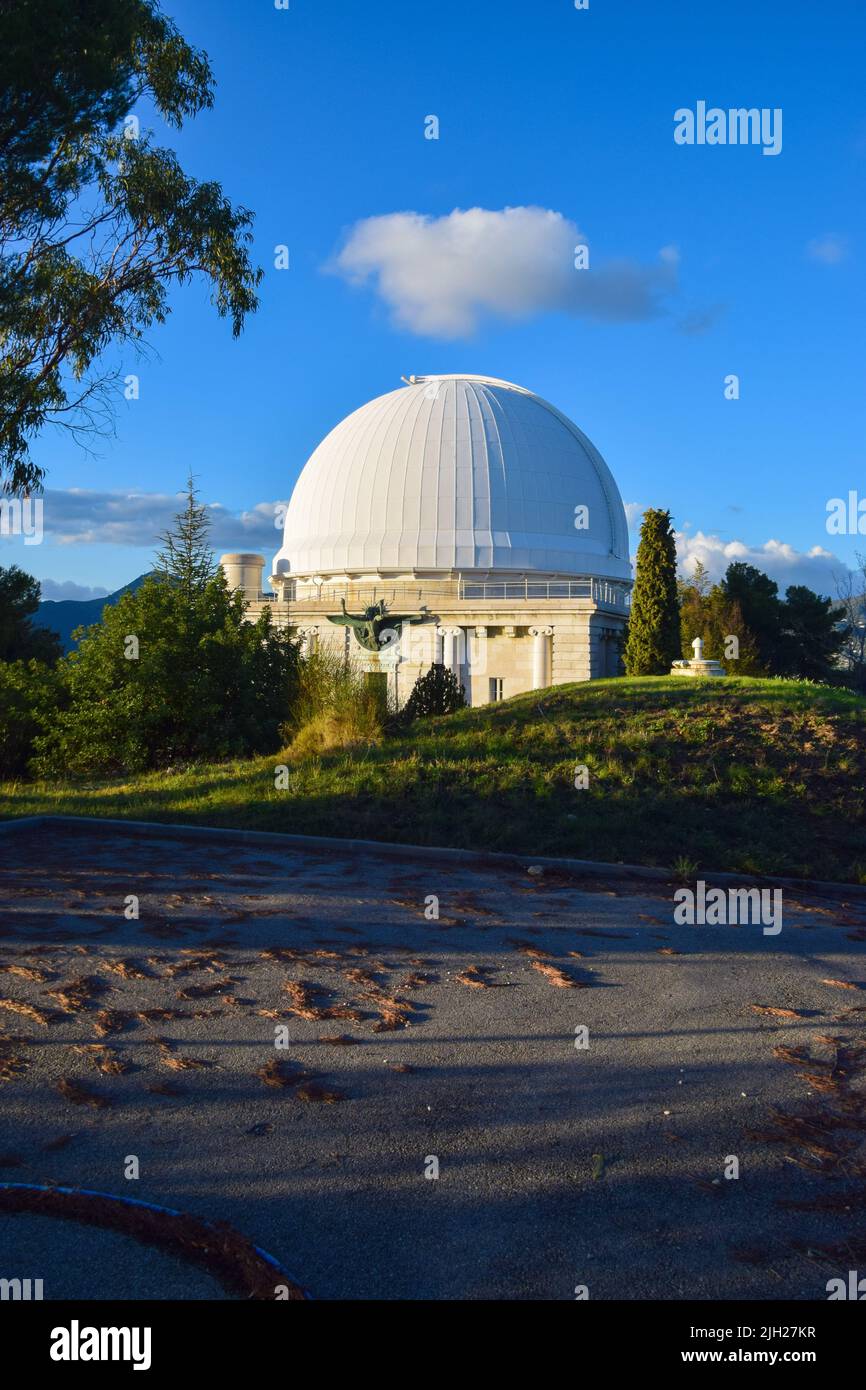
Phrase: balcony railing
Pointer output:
(599, 590)
(604, 592)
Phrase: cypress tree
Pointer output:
(654, 625)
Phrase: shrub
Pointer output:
(20, 640)
(170, 676)
(28, 705)
(328, 732)
(436, 692)
(336, 706)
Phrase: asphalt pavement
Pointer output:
(494, 1085)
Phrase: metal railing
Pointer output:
(413, 596)
(432, 596)
(599, 590)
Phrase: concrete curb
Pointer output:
(321, 844)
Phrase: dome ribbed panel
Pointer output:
(455, 472)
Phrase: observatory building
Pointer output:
(457, 519)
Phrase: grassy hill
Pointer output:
(747, 775)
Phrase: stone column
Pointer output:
(477, 653)
(452, 657)
(540, 656)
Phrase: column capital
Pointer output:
(541, 632)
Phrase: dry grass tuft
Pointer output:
(472, 977)
(558, 978)
(41, 1016)
(79, 994)
(310, 1091)
(103, 1058)
(393, 1013)
(25, 972)
(127, 969)
(12, 1062)
(303, 1006)
(107, 1021)
(219, 987)
(527, 949)
(774, 1012)
(279, 1072)
(78, 1094)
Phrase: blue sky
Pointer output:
(319, 125)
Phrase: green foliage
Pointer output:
(29, 691)
(811, 638)
(437, 691)
(757, 597)
(330, 732)
(800, 637)
(20, 640)
(653, 640)
(684, 869)
(205, 684)
(172, 672)
(335, 706)
(741, 775)
(186, 558)
(709, 613)
(96, 229)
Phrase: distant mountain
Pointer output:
(63, 616)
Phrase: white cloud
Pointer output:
(633, 513)
(817, 568)
(440, 276)
(78, 517)
(829, 248)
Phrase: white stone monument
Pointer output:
(697, 666)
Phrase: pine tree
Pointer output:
(812, 635)
(700, 579)
(695, 604)
(758, 598)
(654, 625)
(186, 558)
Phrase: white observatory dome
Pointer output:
(455, 473)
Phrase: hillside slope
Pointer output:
(747, 775)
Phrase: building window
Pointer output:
(496, 684)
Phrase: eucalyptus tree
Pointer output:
(98, 222)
